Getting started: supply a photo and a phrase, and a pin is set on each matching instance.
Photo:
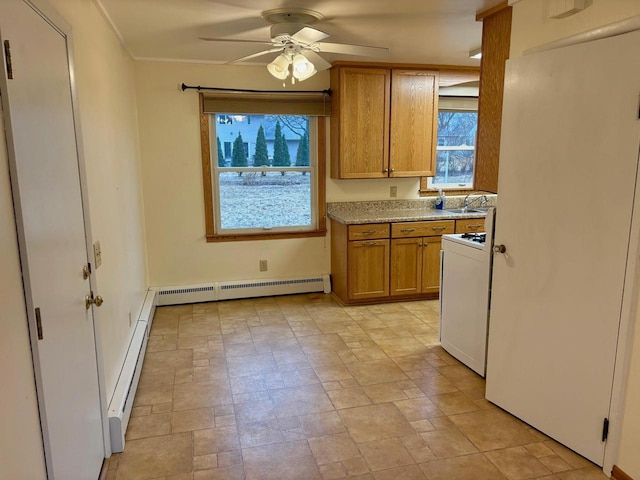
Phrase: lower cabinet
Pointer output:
(368, 269)
(431, 247)
(415, 260)
(387, 262)
(406, 266)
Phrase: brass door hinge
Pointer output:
(39, 324)
(7, 57)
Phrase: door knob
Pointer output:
(90, 300)
(499, 249)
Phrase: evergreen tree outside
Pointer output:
(281, 157)
(302, 155)
(261, 157)
(238, 155)
(278, 154)
(221, 160)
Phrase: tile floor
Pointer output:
(299, 388)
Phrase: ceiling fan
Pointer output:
(299, 44)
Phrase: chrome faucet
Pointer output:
(482, 197)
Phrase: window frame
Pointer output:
(208, 172)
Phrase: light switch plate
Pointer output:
(97, 254)
(393, 191)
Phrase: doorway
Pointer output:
(45, 170)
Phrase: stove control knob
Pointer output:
(499, 249)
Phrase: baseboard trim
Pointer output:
(618, 474)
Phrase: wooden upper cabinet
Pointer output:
(360, 122)
(384, 122)
(414, 126)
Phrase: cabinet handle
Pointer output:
(474, 227)
(425, 244)
(368, 232)
(370, 244)
(393, 170)
(386, 170)
(438, 229)
(408, 230)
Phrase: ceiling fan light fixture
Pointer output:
(302, 67)
(279, 68)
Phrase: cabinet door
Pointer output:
(368, 269)
(414, 122)
(364, 122)
(406, 266)
(431, 264)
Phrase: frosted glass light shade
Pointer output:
(302, 67)
(279, 68)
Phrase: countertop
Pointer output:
(384, 211)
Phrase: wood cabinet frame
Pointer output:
(445, 75)
(400, 264)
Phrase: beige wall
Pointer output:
(104, 74)
(530, 29)
(104, 77)
(172, 177)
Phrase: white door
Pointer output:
(41, 140)
(568, 164)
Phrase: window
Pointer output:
(455, 154)
(267, 175)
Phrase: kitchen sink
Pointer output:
(467, 210)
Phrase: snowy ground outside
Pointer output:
(273, 200)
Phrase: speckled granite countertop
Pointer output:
(383, 211)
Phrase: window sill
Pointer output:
(265, 236)
(431, 192)
(434, 193)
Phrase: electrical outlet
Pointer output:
(97, 254)
(393, 191)
(263, 265)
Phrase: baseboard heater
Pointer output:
(122, 400)
(215, 291)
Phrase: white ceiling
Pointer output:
(416, 31)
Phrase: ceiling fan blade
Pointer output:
(259, 54)
(309, 35)
(207, 39)
(360, 50)
(318, 62)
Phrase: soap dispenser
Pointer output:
(440, 200)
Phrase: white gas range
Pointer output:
(465, 280)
